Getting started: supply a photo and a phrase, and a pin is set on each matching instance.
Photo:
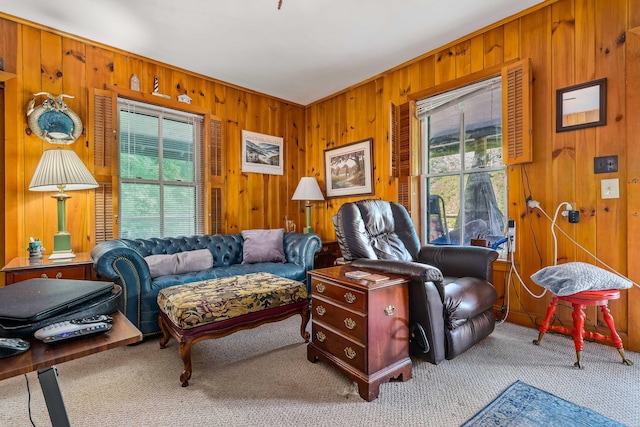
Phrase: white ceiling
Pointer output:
(307, 50)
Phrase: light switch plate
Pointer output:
(610, 188)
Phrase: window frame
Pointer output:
(462, 172)
(162, 116)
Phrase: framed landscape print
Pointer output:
(348, 169)
(262, 153)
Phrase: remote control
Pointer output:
(74, 328)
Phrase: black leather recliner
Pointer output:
(450, 295)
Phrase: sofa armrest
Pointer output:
(116, 261)
(460, 261)
(300, 248)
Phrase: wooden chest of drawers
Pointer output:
(361, 327)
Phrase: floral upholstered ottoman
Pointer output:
(218, 307)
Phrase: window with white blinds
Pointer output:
(160, 171)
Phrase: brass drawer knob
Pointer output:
(349, 297)
(321, 288)
(320, 336)
(349, 323)
(349, 352)
(321, 310)
(390, 310)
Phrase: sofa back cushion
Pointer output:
(179, 263)
(263, 246)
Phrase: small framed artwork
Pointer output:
(348, 169)
(262, 153)
(581, 106)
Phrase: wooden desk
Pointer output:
(42, 357)
(21, 268)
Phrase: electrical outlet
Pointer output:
(511, 236)
(605, 164)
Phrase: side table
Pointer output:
(22, 268)
(329, 253)
(361, 327)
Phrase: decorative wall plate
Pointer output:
(52, 120)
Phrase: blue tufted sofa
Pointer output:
(122, 261)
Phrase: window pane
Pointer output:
(138, 145)
(443, 205)
(177, 151)
(179, 210)
(444, 140)
(483, 129)
(139, 210)
(483, 213)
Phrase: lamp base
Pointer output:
(61, 246)
(61, 255)
(307, 230)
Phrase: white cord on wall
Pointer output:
(533, 204)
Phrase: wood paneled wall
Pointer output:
(569, 42)
(57, 63)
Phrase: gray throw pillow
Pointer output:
(263, 246)
(573, 277)
(179, 263)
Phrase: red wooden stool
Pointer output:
(579, 301)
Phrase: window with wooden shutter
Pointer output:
(102, 134)
(216, 172)
(516, 113)
(104, 222)
(102, 129)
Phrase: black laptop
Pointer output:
(36, 299)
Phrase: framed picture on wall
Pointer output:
(581, 106)
(262, 153)
(348, 169)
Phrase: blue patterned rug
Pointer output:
(522, 405)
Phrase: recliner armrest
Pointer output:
(417, 271)
(460, 261)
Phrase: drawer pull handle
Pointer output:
(349, 323)
(390, 310)
(44, 276)
(349, 352)
(321, 310)
(59, 275)
(349, 297)
(321, 288)
(321, 337)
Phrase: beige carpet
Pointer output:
(261, 377)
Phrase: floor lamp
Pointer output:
(61, 170)
(308, 190)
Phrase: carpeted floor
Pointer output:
(261, 377)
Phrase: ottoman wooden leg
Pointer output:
(165, 332)
(185, 354)
(306, 315)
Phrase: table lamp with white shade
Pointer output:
(308, 190)
(61, 170)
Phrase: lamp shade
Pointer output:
(61, 168)
(308, 189)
